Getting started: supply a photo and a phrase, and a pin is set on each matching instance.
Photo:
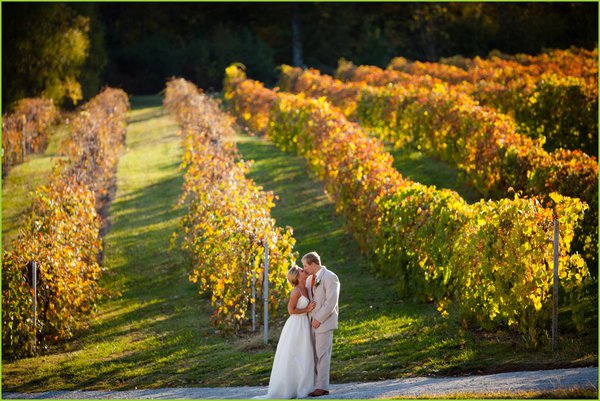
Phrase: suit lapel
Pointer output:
(323, 272)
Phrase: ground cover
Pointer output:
(23, 179)
(157, 333)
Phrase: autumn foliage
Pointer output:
(61, 233)
(492, 258)
(26, 130)
(554, 94)
(228, 216)
(451, 125)
(97, 135)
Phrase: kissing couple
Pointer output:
(303, 356)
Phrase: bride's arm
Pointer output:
(292, 310)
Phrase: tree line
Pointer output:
(68, 51)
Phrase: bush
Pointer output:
(451, 125)
(228, 216)
(26, 130)
(61, 233)
(424, 238)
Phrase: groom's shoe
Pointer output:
(318, 393)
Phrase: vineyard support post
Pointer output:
(34, 282)
(266, 292)
(555, 294)
(253, 301)
(24, 137)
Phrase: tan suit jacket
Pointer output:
(326, 294)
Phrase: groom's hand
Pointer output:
(316, 324)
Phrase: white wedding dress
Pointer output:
(293, 374)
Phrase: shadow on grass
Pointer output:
(145, 101)
(301, 204)
(146, 207)
(429, 171)
(382, 335)
(158, 333)
(145, 108)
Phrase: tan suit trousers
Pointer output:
(323, 343)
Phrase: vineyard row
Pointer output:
(228, 216)
(61, 233)
(26, 130)
(493, 258)
(554, 96)
(452, 126)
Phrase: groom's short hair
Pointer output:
(312, 257)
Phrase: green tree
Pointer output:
(44, 48)
(92, 73)
(148, 42)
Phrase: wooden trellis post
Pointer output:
(34, 283)
(555, 294)
(253, 301)
(266, 293)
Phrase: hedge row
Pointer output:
(228, 215)
(554, 95)
(452, 126)
(97, 135)
(492, 258)
(26, 130)
(573, 62)
(61, 233)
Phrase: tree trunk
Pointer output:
(296, 40)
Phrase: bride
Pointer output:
(293, 372)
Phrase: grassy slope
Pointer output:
(426, 170)
(157, 333)
(22, 180)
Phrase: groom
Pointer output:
(324, 288)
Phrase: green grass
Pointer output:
(419, 167)
(381, 335)
(22, 180)
(157, 334)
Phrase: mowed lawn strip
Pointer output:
(157, 334)
(22, 180)
(419, 167)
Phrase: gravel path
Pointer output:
(585, 378)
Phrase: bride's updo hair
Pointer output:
(293, 275)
